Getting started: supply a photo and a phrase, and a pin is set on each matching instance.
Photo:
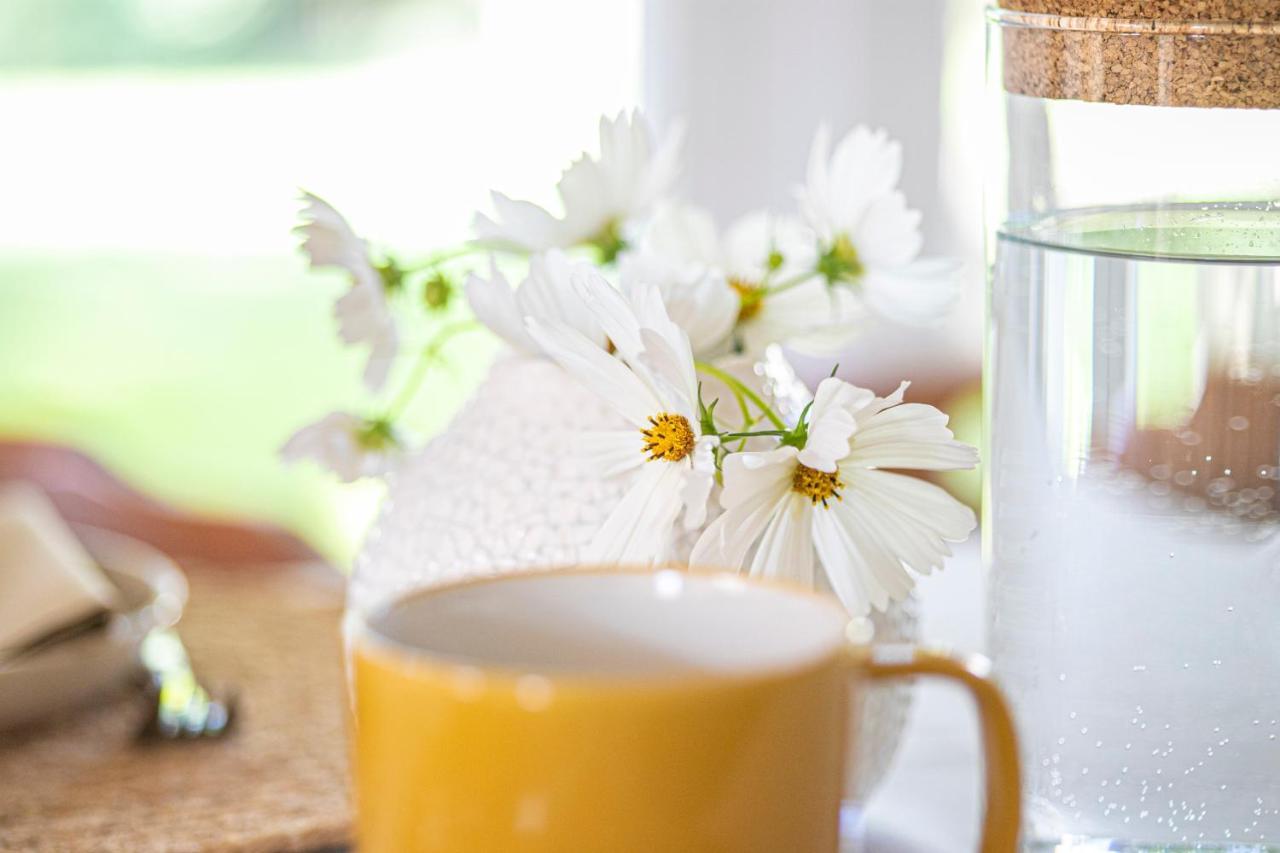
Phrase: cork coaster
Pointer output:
(278, 783)
(1180, 53)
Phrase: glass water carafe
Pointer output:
(1132, 498)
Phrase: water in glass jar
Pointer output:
(1132, 534)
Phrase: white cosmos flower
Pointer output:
(867, 525)
(546, 293)
(603, 196)
(678, 254)
(653, 386)
(362, 312)
(682, 253)
(868, 239)
(350, 446)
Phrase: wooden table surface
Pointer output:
(79, 782)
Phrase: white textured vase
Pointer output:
(506, 488)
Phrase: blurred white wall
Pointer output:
(752, 79)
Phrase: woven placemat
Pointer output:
(278, 783)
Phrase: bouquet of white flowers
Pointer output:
(644, 302)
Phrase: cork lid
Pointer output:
(1181, 53)
(1246, 11)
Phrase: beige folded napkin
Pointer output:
(48, 581)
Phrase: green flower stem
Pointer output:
(741, 389)
(788, 283)
(733, 436)
(426, 358)
(443, 256)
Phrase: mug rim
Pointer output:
(412, 659)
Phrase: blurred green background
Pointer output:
(154, 311)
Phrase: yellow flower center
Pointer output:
(750, 298)
(817, 486)
(668, 437)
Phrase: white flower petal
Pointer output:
(662, 168)
(613, 189)
(788, 316)
(333, 443)
(697, 297)
(671, 373)
(786, 549)
(756, 485)
(327, 238)
(681, 234)
(519, 225)
(613, 451)
(814, 198)
(880, 570)
(865, 165)
(752, 473)
(602, 374)
(548, 293)
(639, 530)
(748, 242)
(362, 313)
(698, 483)
(839, 189)
(493, 301)
(948, 517)
(915, 540)
(909, 435)
(888, 233)
(831, 423)
(382, 355)
(706, 309)
(841, 563)
(921, 293)
(364, 318)
(589, 201)
(612, 312)
(879, 404)
(887, 563)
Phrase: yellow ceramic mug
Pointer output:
(610, 712)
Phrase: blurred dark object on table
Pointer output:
(87, 493)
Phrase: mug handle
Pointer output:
(1003, 811)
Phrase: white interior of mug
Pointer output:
(618, 624)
